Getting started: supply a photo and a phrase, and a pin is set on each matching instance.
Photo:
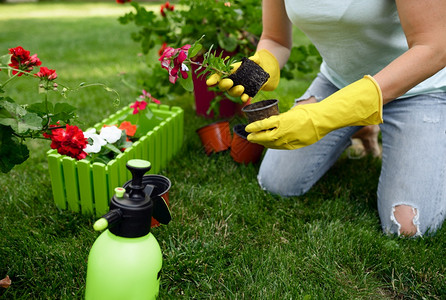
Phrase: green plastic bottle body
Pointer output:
(123, 268)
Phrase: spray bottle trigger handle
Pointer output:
(109, 218)
(100, 224)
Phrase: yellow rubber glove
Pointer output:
(265, 59)
(358, 104)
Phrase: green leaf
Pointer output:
(18, 118)
(41, 109)
(5, 59)
(194, 50)
(112, 148)
(30, 121)
(313, 50)
(13, 108)
(298, 54)
(148, 113)
(12, 151)
(63, 112)
(126, 144)
(227, 42)
(6, 119)
(187, 83)
(61, 107)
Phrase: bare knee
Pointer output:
(406, 216)
(312, 99)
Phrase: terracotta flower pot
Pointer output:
(159, 186)
(261, 110)
(242, 150)
(215, 137)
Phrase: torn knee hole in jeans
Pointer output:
(415, 230)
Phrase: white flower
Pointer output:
(184, 68)
(98, 142)
(111, 134)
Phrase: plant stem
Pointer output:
(29, 136)
(10, 78)
(209, 67)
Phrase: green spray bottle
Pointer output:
(125, 260)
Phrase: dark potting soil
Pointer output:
(250, 75)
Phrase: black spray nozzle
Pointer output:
(138, 168)
(131, 208)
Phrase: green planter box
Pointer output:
(81, 186)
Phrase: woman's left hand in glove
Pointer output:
(357, 104)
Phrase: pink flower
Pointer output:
(172, 60)
(146, 95)
(162, 48)
(46, 73)
(138, 106)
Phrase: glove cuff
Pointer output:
(379, 117)
(271, 65)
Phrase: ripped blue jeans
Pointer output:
(413, 169)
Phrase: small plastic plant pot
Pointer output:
(215, 137)
(242, 150)
(261, 110)
(159, 186)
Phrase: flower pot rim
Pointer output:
(211, 124)
(242, 150)
(248, 109)
(240, 127)
(153, 176)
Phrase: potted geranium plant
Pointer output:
(85, 166)
(19, 122)
(231, 27)
(45, 120)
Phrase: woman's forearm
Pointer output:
(277, 30)
(424, 25)
(408, 70)
(280, 52)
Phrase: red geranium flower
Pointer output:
(21, 60)
(69, 141)
(48, 135)
(122, 1)
(165, 6)
(138, 105)
(47, 74)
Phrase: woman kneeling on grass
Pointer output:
(402, 44)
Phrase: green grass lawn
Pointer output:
(228, 238)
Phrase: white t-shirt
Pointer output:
(356, 38)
